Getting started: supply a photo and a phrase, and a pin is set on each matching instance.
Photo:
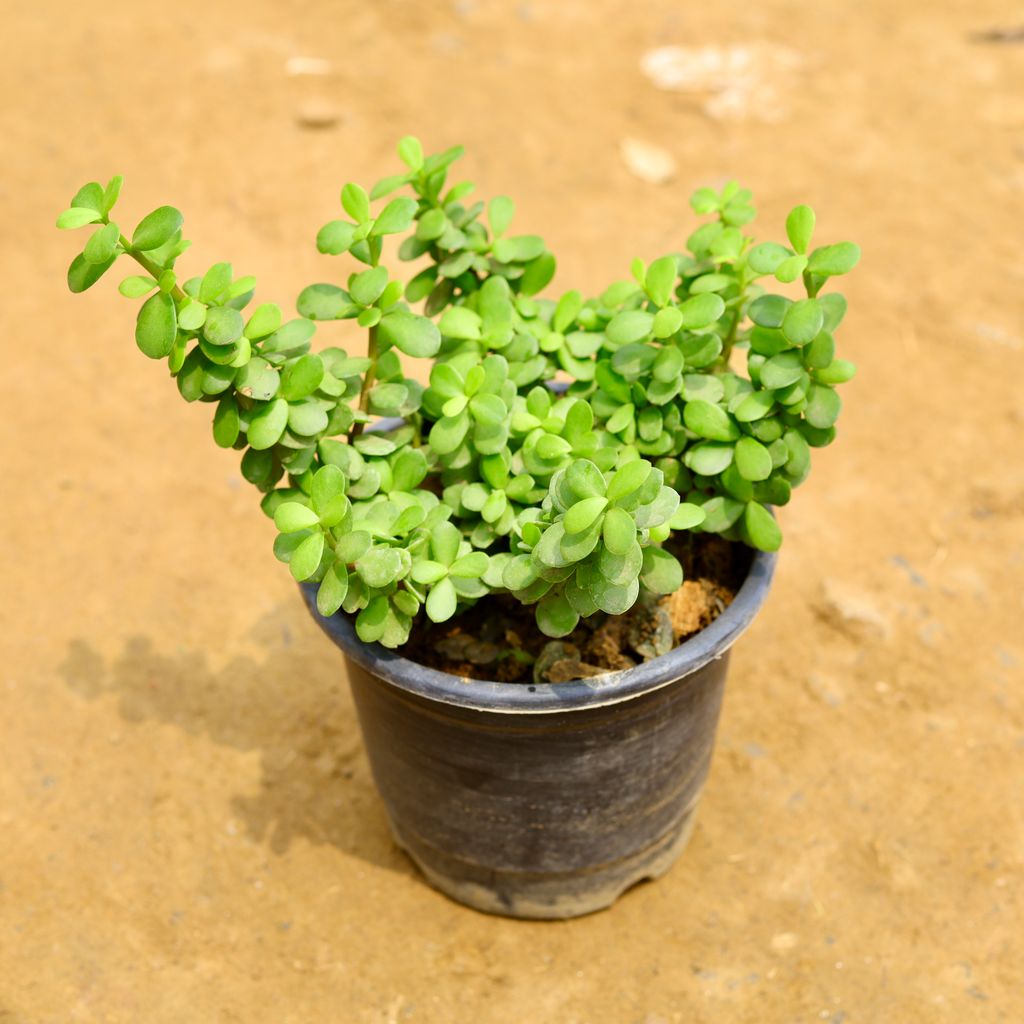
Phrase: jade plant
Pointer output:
(561, 441)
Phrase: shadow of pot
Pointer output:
(544, 801)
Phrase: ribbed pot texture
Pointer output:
(544, 801)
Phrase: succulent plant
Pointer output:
(560, 442)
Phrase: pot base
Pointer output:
(551, 896)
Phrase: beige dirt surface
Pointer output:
(189, 829)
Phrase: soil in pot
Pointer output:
(498, 637)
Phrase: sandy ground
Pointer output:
(190, 833)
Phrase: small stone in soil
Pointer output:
(653, 634)
(560, 663)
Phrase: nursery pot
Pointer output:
(544, 801)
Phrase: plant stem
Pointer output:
(809, 284)
(150, 267)
(368, 380)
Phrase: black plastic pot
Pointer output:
(544, 801)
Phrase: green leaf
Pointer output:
(630, 326)
(267, 424)
(761, 527)
(471, 566)
(500, 211)
(584, 514)
(633, 360)
(720, 513)
(460, 323)
(332, 591)
(102, 244)
(328, 484)
(395, 217)
(709, 421)
(537, 275)
(782, 370)
(489, 410)
(767, 257)
(709, 458)
(266, 319)
(428, 572)
(372, 621)
(660, 279)
(356, 202)
(834, 307)
(661, 573)
(837, 372)
(704, 200)
(555, 616)
(157, 228)
(618, 531)
(374, 444)
(367, 286)
(769, 310)
(456, 265)
(519, 249)
(388, 399)
(619, 569)
(291, 516)
(548, 551)
(668, 366)
(136, 286)
(353, 546)
(752, 459)
(215, 283)
(82, 274)
(701, 310)
(387, 185)
(156, 326)
(307, 419)
(225, 422)
(832, 260)
(444, 542)
(410, 152)
(380, 566)
(323, 302)
(800, 227)
(686, 517)
(258, 380)
(666, 322)
(629, 479)
(223, 325)
(615, 600)
(301, 377)
(789, 270)
(335, 237)
(823, 406)
(802, 321)
(111, 192)
(432, 224)
(306, 557)
(621, 418)
(820, 352)
(799, 461)
(77, 217)
(755, 406)
(89, 196)
(414, 335)
(441, 601)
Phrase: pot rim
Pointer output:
(549, 698)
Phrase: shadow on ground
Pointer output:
(315, 782)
